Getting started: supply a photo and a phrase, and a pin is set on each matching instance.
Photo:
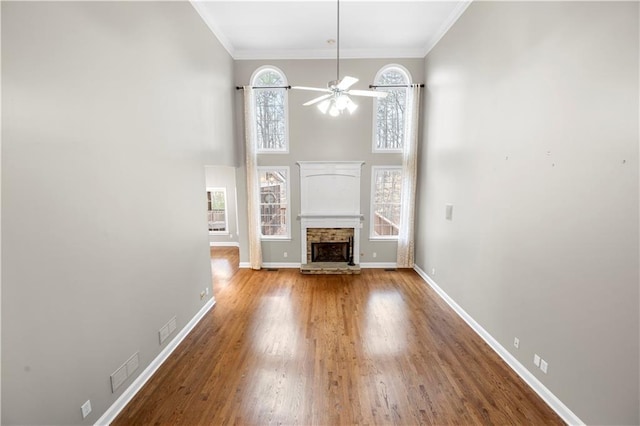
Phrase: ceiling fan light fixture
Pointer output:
(324, 106)
(342, 101)
(351, 106)
(337, 94)
(334, 111)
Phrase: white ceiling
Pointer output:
(300, 29)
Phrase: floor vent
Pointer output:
(391, 269)
(272, 269)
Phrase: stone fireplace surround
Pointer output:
(333, 229)
(326, 235)
(330, 229)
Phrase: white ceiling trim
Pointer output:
(272, 54)
(214, 29)
(446, 26)
(328, 54)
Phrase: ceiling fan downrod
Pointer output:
(338, 45)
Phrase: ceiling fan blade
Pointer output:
(313, 89)
(369, 93)
(346, 82)
(316, 100)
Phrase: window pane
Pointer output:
(274, 203)
(270, 111)
(386, 202)
(391, 111)
(217, 210)
(390, 119)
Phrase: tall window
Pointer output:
(386, 184)
(389, 113)
(217, 210)
(274, 202)
(270, 110)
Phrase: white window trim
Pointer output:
(226, 211)
(285, 150)
(374, 131)
(372, 236)
(286, 237)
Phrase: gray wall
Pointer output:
(532, 118)
(224, 177)
(106, 113)
(318, 137)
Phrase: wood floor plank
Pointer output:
(381, 347)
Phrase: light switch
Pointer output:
(449, 214)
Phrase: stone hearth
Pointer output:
(329, 268)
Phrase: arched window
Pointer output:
(271, 112)
(389, 113)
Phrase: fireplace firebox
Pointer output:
(330, 252)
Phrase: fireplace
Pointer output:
(328, 236)
(330, 217)
(330, 252)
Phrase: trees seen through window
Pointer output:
(390, 112)
(270, 110)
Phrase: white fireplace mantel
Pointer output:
(330, 198)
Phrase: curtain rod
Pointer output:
(373, 86)
(264, 87)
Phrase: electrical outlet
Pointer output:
(374, 254)
(206, 290)
(544, 366)
(516, 343)
(86, 409)
(433, 272)
(286, 254)
(536, 360)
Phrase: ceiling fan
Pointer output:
(336, 98)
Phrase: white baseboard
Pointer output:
(297, 265)
(244, 265)
(552, 401)
(115, 409)
(224, 244)
(362, 265)
(369, 265)
(280, 265)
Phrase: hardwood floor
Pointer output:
(377, 348)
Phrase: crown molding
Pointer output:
(446, 26)
(273, 54)
(197, 5)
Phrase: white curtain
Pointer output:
(253, 186)
(406, 243)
